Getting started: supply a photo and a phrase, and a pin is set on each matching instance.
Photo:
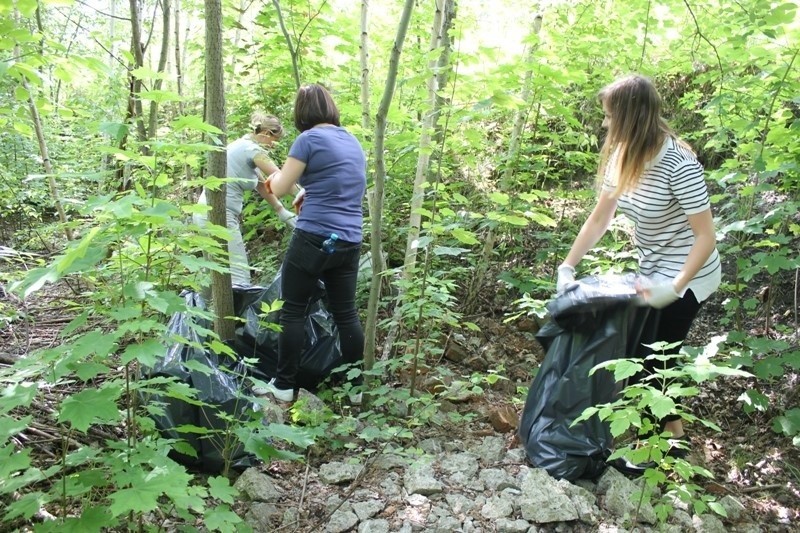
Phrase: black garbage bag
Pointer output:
(219, 385)
(255, 339)
(595, 320)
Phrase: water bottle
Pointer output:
(329, 244)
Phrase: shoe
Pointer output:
(355, 399)
(630, 469)
(679, 447)
(283, 395)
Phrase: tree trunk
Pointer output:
(221, 291)
(137, 49)
(292, 49)
(48, 167)
(418, 193)
(380, 173)
(471, 300)
(162, 65)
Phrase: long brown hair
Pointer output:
(636, 130)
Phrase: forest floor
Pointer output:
(750, 462)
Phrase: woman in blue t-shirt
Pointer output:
(329, 164)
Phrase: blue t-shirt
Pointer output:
(335, 179)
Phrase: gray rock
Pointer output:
(263, 517)
(515, 456)
(506, 525)
(419, 478)
(491, 450)
(374, 526)
(497, 507)
(431, 446)
(584, 501)
(446, 524)
(543, 500)
(391, 485)
(622, 499)
(459, 503)
(257, 486)
(338, 473)
(708, 523)
(368, 509)
(464, 463)
(497, 479)
(682, 519)
(341, 521)
(733, 507)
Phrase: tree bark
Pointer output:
(162, 65)
(380, 173)
(292, 49)
(423, 159)
(137, 49)
(48, 167)
(221, 291)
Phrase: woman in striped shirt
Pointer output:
(654, 179)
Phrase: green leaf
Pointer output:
(754, 401)
(146, 353)
(91, 519)
(464, 236)
(92, 405)
(10, 426)
(221, 518)
(220, 488)
(17, 395)
(87, 371)
(662, 406)
(25, 507)
(768, 368)
(447, 250)
(788, 423)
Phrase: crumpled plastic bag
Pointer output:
(219, 384)
(596, 319)
(321, 352)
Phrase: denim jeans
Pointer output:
(304, 264)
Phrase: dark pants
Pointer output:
(305, 263)
(670, 324)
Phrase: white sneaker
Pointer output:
(283, 395)
(356, 398)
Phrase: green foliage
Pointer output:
(659, 394)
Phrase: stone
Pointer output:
(504, 418)
(368, 509)
(257, 486)
(337, 473)
(374, 526)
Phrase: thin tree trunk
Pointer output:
(292, 49)
(178, 71)
(135, 104)
(443, 66)
(380, 166)
(364, 56)
(418, 193)
(162, 65)
(478, 280)
(423, 159)
(221, 291)
(48, 167)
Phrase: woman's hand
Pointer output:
(297, 203)
(287, 217)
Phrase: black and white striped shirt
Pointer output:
(672, 187)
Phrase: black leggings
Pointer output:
(670, 324)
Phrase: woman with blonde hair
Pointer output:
(654, 179)
(249, 162)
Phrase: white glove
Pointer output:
(566, 277)
(287, 217)
(660, 296)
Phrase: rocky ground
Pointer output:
(473, 475)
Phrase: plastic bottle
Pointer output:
(329, 244)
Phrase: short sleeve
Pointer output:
(689, 187)
(301, 148)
